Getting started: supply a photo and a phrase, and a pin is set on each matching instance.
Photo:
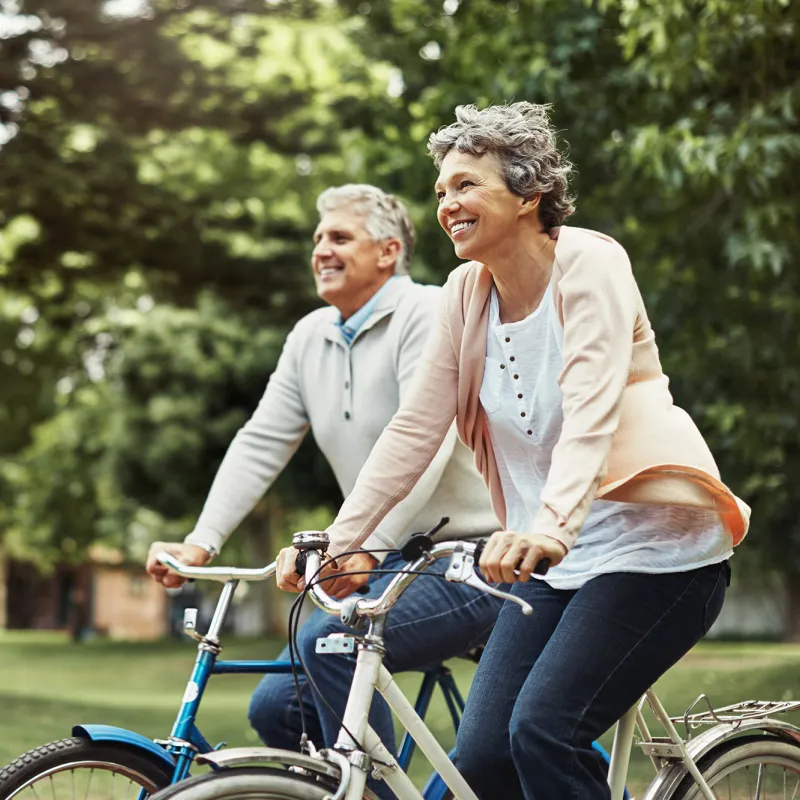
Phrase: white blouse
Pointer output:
(522, 401)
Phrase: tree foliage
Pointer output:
(158, 195)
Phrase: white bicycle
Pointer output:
(746, 754)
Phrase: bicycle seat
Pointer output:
(474, 654)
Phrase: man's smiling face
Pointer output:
(347, 261)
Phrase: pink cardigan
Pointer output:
(622, 438)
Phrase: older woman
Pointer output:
(544, 355)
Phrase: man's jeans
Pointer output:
(432, 621)
(548, 685)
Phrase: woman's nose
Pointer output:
(448, 207)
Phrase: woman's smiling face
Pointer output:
(476, 208)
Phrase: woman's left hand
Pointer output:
(507, 551)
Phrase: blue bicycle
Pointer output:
(102, 762)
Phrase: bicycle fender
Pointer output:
(668, 780)
(110, 733)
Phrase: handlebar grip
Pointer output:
(479, 548)
(542, 568)
(300, 569)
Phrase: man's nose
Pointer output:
(322, 249)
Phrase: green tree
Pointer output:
(155, 156)
(682, 118)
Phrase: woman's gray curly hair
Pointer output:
(523, 139)
(385, 216)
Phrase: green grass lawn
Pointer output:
(47, 685)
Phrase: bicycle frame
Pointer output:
(186, 741)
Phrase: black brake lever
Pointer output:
(420, 543)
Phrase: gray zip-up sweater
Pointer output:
(347, 395)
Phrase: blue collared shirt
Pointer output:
(352, 325)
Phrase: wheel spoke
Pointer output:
(88, 784)
(759, 781)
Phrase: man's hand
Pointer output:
(506, 551)
(339, 587)
(189, 554)
(345, 585)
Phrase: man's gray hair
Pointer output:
(523, 139)
(385, 216)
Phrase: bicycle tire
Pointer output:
(251, 783)
(740, 754)
(79, 753)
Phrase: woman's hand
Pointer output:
(288, 579)
(507, 551)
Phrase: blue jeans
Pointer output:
(548, 685)
(432, 621)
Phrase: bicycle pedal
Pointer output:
(336, 643)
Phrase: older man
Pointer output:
(343, 372)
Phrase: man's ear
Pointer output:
(390, 253)
(528, 205)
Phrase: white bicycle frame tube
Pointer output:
(621, 753)
(623, 741)
(425, 740)
(662, 716)
(356, 714)
(370, 674)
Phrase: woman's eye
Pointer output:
(464, 184)
(440, 196)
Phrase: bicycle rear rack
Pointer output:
(732, 715)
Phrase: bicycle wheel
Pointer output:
(77, 767)
(750, 768)
(252, 783)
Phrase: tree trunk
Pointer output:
(792, 625)
(3, 588)
(263, 529)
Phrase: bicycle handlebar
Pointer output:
(221, 574)
(460, 570)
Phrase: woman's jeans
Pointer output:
(548, 685)
(432, 621)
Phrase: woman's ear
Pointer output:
(390, 253)
(530, 204)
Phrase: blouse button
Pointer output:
(508, 338)
(530, 433)
(516, 377)
(347, 415)
(347, 384)
(512, 358)
(522, 414)
(502, 366)
(519, 396)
